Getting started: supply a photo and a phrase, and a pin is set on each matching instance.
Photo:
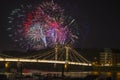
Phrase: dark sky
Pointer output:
(98, 20)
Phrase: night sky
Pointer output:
(98, 20)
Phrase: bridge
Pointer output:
(59, 55)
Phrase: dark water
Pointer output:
(58, 76)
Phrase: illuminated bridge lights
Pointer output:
(42, 61)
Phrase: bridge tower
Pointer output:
(67, 54)
(56, 53)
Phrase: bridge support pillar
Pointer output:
(62, 71)
(19, 67)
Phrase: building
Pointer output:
(106, 57)
(117, 59)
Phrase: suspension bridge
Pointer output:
(58, 55)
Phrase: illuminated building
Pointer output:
(106, 57)
(117, 59)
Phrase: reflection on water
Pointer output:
(72, 75)
(118, 75)
(114, 75)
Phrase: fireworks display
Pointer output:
(44, 25)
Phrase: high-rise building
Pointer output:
(106, 57)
